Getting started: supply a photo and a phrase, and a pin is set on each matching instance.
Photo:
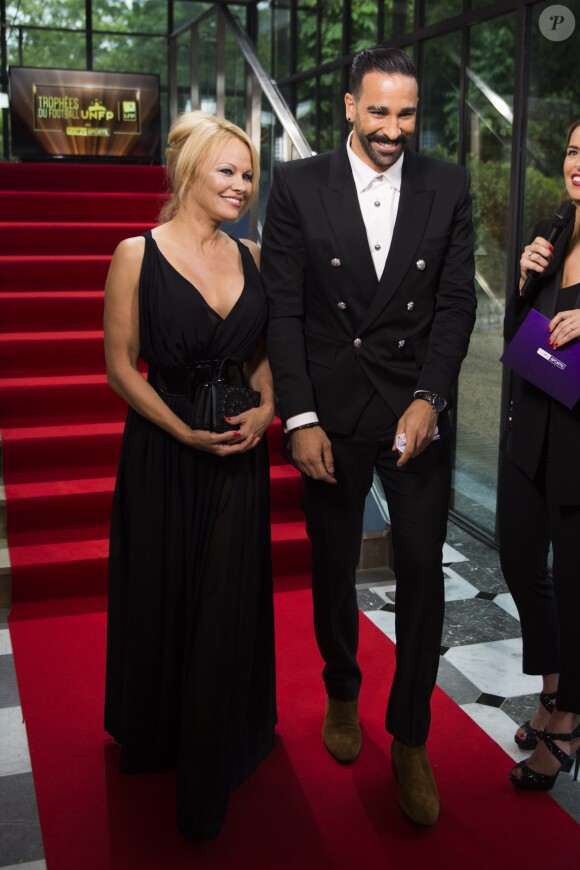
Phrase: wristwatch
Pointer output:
(436, 401)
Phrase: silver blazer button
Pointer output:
(341, 305)
(357, 342)
(410, 306)
(401, 343)
(420, 264)
(335, 262)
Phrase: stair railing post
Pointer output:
(172, 77)
(254, 131)
(220, 85)
(195, 67)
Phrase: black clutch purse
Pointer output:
(216, 388)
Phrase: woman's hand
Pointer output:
(564, 327)
(535, 258)
(253, 423)
(250, 427)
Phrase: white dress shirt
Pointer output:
(378, 196)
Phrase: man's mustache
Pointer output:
(384, 140)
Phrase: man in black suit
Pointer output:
(367, 261)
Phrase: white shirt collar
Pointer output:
(364, 175)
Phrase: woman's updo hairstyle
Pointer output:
(193, 145)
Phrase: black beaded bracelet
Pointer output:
(304, 426)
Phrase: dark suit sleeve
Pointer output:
(455, 304)
(282, 269)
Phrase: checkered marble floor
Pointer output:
(480, 668)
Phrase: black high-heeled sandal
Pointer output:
(530, 741)
(532, 780)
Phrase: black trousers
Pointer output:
(530, 517)
(418, 501)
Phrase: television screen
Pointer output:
(84, 114)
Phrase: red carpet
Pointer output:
(301, 809)
(61, 427)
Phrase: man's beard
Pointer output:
(382, 161)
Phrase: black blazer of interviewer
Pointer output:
(336, 333)
(540, 429)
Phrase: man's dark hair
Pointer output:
(391, 61)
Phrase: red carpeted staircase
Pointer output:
(61, 423)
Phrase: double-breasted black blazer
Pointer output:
(336, 333)
(527, 440)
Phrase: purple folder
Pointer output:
(557, 372)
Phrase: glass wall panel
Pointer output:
(438, 10)
(47, 48)
(184, 11)
(306, 110)
(282, 50)
(439, 104)
(332, 111)
(307, 35)
(553, 103)
(274, 43)
(46, 13)
(136, 16)
(490, 74)
(364, 31)
(235, 105)
(331, 26)
(208, 65)
(398, 17)
(129, 53)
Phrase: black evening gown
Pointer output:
(190, 639)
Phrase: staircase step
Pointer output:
(80, 178)
(44, 453)
(54, 272)
(60, 570)
(47, 510)
(71, 568)
(42, 510)
(59, 238)
(38, 311)
(30, 354)
(54, 401)
(286, 490)
(64, 206)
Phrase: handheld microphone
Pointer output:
(560, 221)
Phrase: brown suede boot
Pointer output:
(341, 731)
(418, 796)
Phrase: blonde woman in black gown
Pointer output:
(190, 659)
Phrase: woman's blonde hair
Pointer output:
(193, 144)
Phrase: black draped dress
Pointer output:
(190, 657)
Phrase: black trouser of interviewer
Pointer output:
(530, 518)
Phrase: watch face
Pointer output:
(434, 400)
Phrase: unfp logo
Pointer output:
(97, 112)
